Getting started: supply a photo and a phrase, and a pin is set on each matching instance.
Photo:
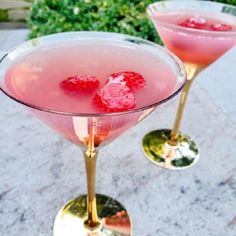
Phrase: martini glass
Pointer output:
(31, 74)
(198, 32)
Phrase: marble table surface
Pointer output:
(40, 171)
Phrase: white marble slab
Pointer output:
(219, 81)
(40, 171)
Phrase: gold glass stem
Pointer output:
(192, 72)
(90, 156)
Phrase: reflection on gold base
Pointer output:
(181, 156)
(113, 217)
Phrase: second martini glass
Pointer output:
(38, 74)
(198, 32)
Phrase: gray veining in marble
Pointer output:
(40, 171)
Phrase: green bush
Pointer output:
(231, 2)
(124, 16)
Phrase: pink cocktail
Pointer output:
(35, 79)
(91, 87)
(204, 42)
(198, 32)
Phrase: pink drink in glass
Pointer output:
(202, 46)
(35, 78)
(198, 32)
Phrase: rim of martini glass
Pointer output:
(173, 60)
(160, 7)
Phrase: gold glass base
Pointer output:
(181, 156)
(114, 219)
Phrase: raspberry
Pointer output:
(80, 83)
(221, 27)
(194, 22)
(114, 97)
(131, 79)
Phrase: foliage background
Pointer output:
(124, 16)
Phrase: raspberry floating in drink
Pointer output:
(194, 22)
(221, 27)
(114, 97)
(131, 79)
(80, 84)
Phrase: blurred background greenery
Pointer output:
(51, 16)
